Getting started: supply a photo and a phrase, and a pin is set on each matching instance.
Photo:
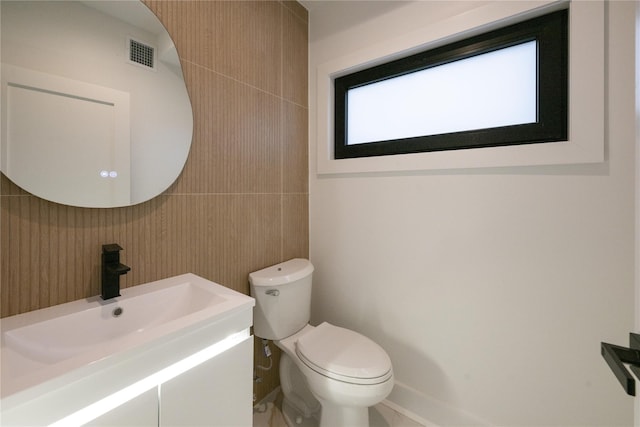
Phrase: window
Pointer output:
(504, 87)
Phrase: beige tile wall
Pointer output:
(241, 202)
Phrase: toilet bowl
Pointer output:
(342, 370)
(345, 371)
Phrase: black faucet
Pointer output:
(111, 270)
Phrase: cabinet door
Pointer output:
(141, 411)
(216, 393)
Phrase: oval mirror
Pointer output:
(95, 111)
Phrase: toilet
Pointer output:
(327, 373)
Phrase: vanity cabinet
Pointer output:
(141, 411)
(215, 393)
(187, 364)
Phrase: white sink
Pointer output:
(97, 322)
(49, 345)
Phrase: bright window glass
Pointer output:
(489, 90)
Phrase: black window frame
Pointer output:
(551, 33)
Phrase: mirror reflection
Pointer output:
(95, 112)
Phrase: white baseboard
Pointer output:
(428, 411)
(411, 403)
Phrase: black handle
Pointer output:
(111, 248)
(111, 253)
(617, 356)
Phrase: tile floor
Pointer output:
(268, 415)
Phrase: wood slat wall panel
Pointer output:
(239, 205)
(294, 69)
(295, 152)
(239, 136)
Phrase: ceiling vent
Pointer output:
(141, 54)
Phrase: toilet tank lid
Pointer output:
(280, 274)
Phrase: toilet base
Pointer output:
(295, 418)
(333, 415)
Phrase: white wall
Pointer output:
(491, 289)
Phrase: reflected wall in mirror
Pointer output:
(95, 111)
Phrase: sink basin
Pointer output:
(46, 344)
(51, 341)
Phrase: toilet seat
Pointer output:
(343, 355)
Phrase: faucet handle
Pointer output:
(111, 248)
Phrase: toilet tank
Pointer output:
(283, 298)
